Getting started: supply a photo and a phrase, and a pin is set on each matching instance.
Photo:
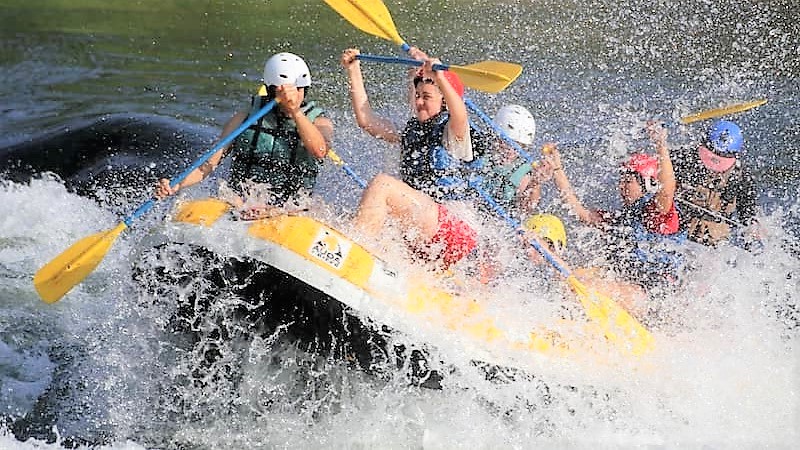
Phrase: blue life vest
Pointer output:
(651, 258)
(428, 167)
(271, 152)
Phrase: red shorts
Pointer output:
(454, 238)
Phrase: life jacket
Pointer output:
(271, 152)
(649, 257)
(708, 190)
(502, 181)
(427, 166)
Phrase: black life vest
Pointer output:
(426, 164)
(709, 190)
(647, 257)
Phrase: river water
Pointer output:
(101, 367)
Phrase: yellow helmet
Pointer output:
(549, 227)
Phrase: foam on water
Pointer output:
(724, 372)
(103, 365)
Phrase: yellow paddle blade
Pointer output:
(202, 212)
(369, 16)
(61, 274)
(618, 326)
(712, 113)
(335, 157)
(488, 76)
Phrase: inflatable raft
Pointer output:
(331, 280)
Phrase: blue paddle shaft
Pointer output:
(397, 60)
(354, 176)
(148, 205)
(475, 184)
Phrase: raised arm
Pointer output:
(374, 125)
(458, 124)
(457, 134)
(665, 196)
(529, 193)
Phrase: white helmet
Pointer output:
(517, 122)
(286, 68)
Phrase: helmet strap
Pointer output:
(651, 185)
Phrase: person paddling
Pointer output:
(278, 158)
(510, 179)
(715, 187)
(436, 151)
(645, 236)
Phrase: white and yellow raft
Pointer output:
(327, 260)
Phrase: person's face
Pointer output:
(552, 247)
(629, 188)
(428, 101)
(289, 97)
(505, 152)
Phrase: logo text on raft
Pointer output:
(330, 250)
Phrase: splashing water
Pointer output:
(114, 365)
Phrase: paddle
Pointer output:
(372, 17)
(718, 112)
(618, 326)
(338, 161)
(69, 268)
(714, 214)
(487, 76)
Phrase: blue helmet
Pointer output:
(725, 137)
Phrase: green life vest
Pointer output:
(503, 181)
(271, 152)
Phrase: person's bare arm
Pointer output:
(561, 181)
(373, 124)
(163, 188)
(665, 196)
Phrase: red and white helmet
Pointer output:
(646, 166)
(286, 68)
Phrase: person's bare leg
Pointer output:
(387, 196)
(631, 297)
